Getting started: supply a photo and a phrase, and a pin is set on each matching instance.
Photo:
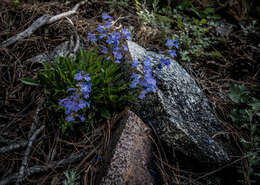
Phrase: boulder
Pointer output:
(131, 153)
(180, 113)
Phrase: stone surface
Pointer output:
(61, 50)
(180, 113)
(67, 48)
(131, 154)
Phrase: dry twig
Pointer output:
(38, 169)
(26, 154)
(45, 19)
(13, 147)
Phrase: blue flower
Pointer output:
(102, 32)
(147, 62)
(101, 36)
(134, 76)
(125, 48)
(63, 102)
(70, 89)
(106, 16)
(172, 43)
(172, 53)
(86, 77)
(104, 49)
(169, 43)
(78, 76)
(69, 118)
(115, 48)
(126, 34)
(92, 37)
(86, 96)
(74, 96)
(85, 87)
(113, 38)
(117, 61)
(74, 103)
(82, 104)
(110, 40)
(117, 55)
(142, 94)
(135, 81)
(81, 117)
(135, 63)
(70, 106)
(100, 29)
(148, 82)
(108, 24)
(164, 61)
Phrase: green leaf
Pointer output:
(216, 53)
(105, 114)
(255, 105)
(203, 21)
(209, 10)
(238, 94)
(113, 98)
(250, 115)
(30, 81)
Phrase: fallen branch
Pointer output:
(66, 14)
(38, 169)
(13, 147)
(21, 144)
(26, 154)
(45, 19)
(8, 141)
(26, 33)
(17, 145)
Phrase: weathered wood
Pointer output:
(45, 19)
(26, 33)
(14, 146)
(20, 177)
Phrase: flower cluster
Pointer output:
(78, 99)
(171, 52)
(148, 82)
(116, 48)
(113, 39)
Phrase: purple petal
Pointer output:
(106, 16)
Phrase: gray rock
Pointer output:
(67, 48)
(180, 112)
(131, 153)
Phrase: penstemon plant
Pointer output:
(90, 88)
